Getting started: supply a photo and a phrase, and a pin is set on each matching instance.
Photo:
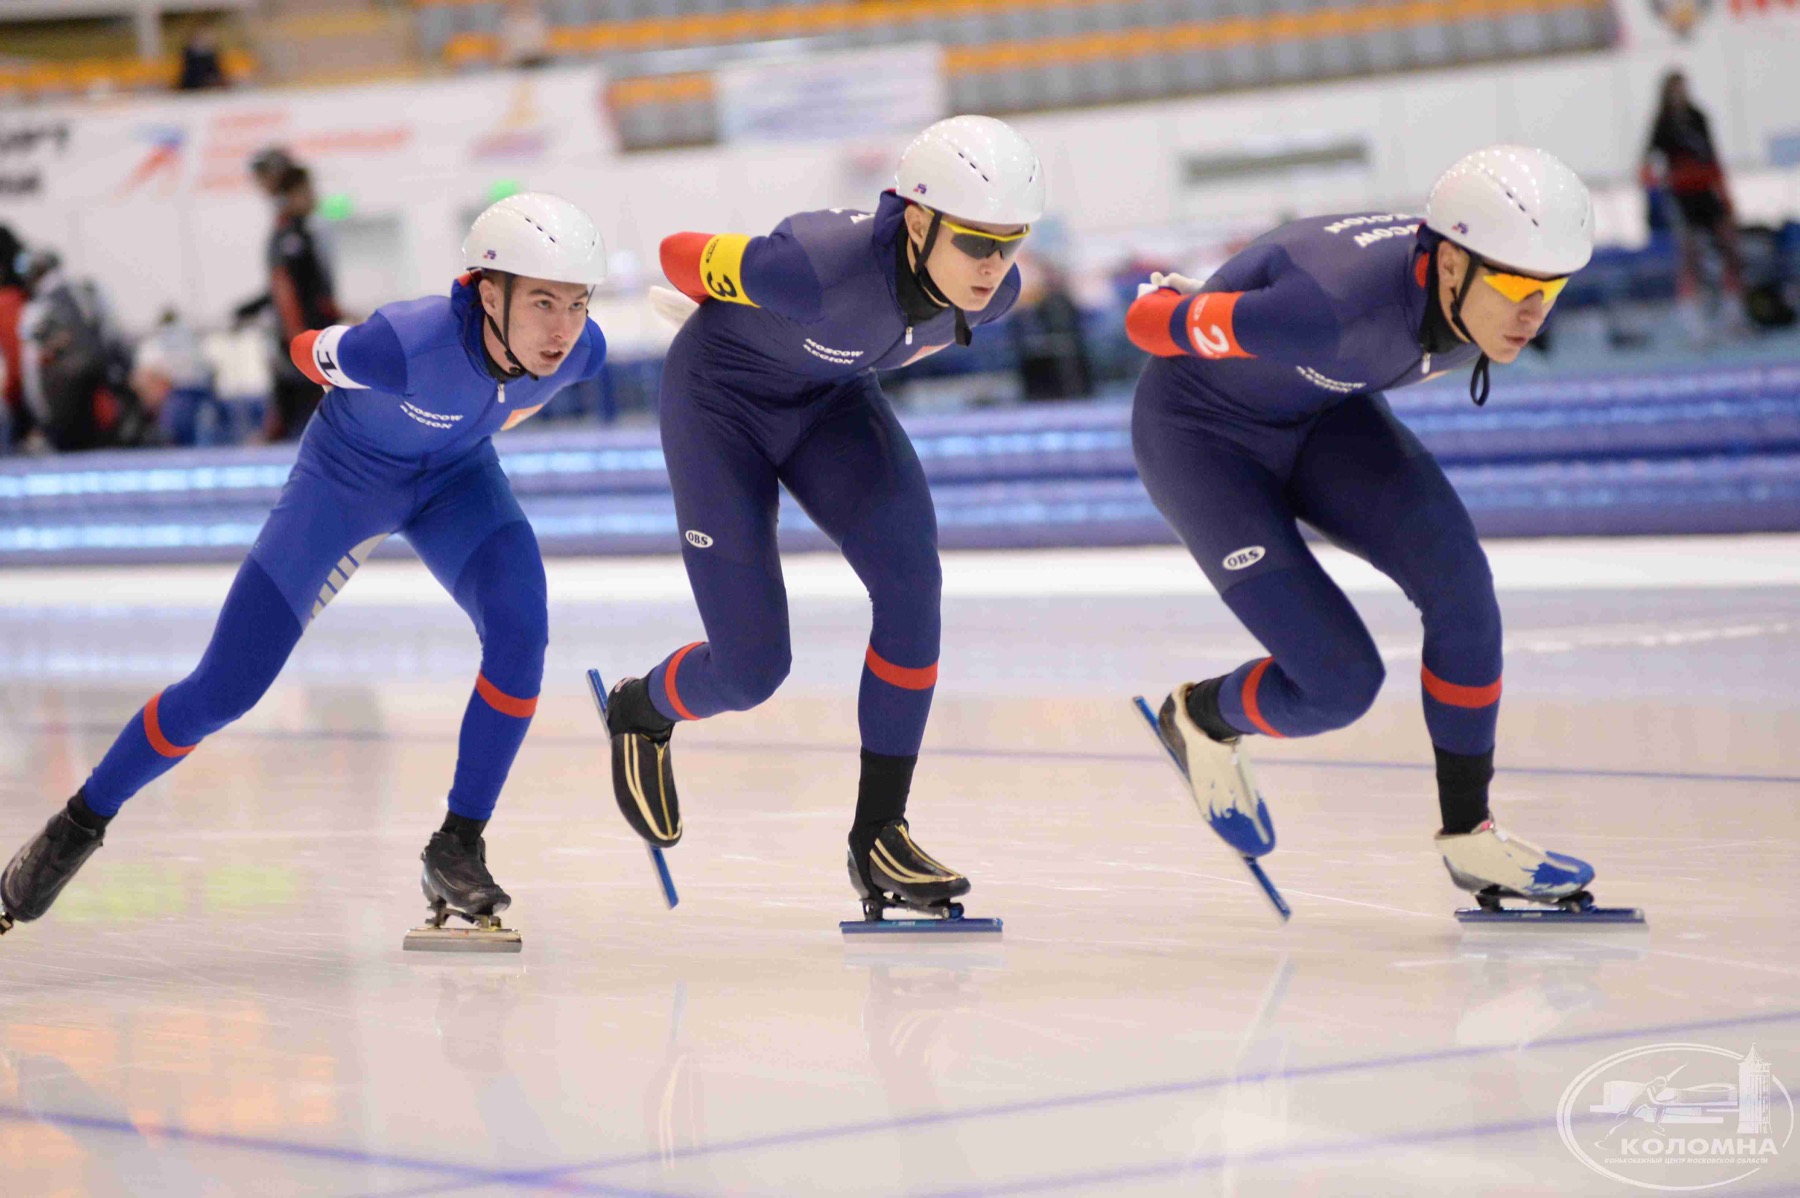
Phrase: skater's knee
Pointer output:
(1343, 693)
(749, 678)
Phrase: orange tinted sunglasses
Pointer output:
(1519, 288)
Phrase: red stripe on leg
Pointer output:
(923, 678)
(1459, 696)
(154, 733)
(505, 704)
(669, 681)
(1250, 708)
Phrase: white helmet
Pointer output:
(974, 168)
(1515, 206)
(539, 236)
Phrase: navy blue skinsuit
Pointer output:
(1264, 408)
(784, 393)
(403, 442)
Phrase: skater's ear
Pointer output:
(491, 286)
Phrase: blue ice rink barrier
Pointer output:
(1687, 451)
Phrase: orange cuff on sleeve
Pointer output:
(681, 263)
(300, 349)
(1209, 325)
(1147, 323)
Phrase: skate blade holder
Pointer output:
(485, 936)
(951, 925)
(1576, 911)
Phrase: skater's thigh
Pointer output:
(1372, 488)
(466, 507)
(320, 532)
(859, 478)
(1227, 507)
(727, 497)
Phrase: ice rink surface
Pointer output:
(219, 1004)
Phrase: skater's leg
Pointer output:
(476, 541)
(1366, 482)
(858, 477)
(726, 500)
(1228, 505)
(305, 552)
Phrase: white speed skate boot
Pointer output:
(1219, 776)
(1495, 866)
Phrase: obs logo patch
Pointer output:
(698, 540)
(1244, 558)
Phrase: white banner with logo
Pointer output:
(820, 97)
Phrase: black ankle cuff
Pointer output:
(881, 792)
(1463, 789)
(634, 711)
(85, 816)
(1203, 709)
(463, 828)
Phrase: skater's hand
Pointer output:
(1172, 281)
(671, 305)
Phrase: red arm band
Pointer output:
(681, 263)
(300, 349)
(1147, 323)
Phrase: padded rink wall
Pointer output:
(1696, 451)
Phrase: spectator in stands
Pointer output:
(1047, 336)
(73, 361)
(200, 67)
(301, 292)
(173, 379)
(1681, 158)
(15, 418)
(524, 35)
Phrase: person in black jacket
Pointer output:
(1681, 156)
(300, 291)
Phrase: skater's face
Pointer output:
(1504, 309)
(967, 281)
(547, 319)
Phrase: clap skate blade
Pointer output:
(945, 920)
(657, 861)
(486, 936)
(1257, 874)
(1497, 907)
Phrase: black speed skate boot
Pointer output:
(38, 872)
(892, 871)
(642, 768)
(456, 882)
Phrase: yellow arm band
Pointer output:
(722, 268)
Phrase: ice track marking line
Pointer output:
(663, 878)
(1250, 863)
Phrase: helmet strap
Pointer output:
(1478, 380)
(929, 286)
(502, 329)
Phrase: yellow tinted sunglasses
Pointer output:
(1519, 288)
(981, 246)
